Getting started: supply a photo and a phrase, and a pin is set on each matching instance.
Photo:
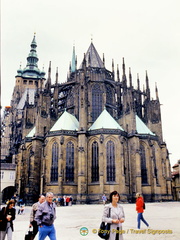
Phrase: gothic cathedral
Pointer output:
(90, 135)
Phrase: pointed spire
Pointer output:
(147, 81)
(124, 74)
(56, 76)
(48, 83)
(118, 78)
(31, 68)
(73, 65)
(103, 60)
(130, 78)
(84, 62)
(32, 59)
(147, 86)
(138, 83)
(113, 66)
(157, 95)
(95, 58)
(49, 71)
(123, 67)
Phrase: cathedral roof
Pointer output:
(105, 120)
(92, 58)
(31, 133)
(141, 127)
(66, 122)
(28, 95)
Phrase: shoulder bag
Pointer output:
(104, 229)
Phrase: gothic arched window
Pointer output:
(96, 101)
(154, 162)
(70, 162)
(125, 162)
(54, 165)
(110, 159)
(95, 162)
(143, 165)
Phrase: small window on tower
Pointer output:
(25, 81)
(30, 82)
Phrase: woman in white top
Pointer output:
(116, 217)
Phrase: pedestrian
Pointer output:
(114, 214)
(33, 223)
(64, 197)
(14, 197)
(70, 200)
(7, 215)
(104, 199)
(62, 201)
(140, 210)
(67, 201)
(45, 216)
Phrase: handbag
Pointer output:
(29, 235)
(104, 229)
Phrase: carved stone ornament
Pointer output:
(101, 138)
(62, 140)
(81, 149)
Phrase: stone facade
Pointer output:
(176, 181)
(90, 135)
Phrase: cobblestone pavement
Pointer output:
(163, 218)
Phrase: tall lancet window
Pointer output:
(110, 159)
(69, 162)
(54, 165)
(154, 163)
(95, 162)
(96, 101)
(143, 165)
(125, 162)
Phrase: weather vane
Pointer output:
(91, 38)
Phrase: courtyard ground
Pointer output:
(163, 218)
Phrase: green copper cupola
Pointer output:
(32, 58)
(31, 70)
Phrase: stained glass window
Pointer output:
(154, 163)
(54, 166)
(143, 165)
(70, 162)
(96, 101)
(110, 157)
(95, 162)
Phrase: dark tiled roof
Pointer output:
(92, 58)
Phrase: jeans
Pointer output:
(45, 231)
(141, 218)
(8, 232)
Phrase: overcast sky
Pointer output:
(145, 33)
